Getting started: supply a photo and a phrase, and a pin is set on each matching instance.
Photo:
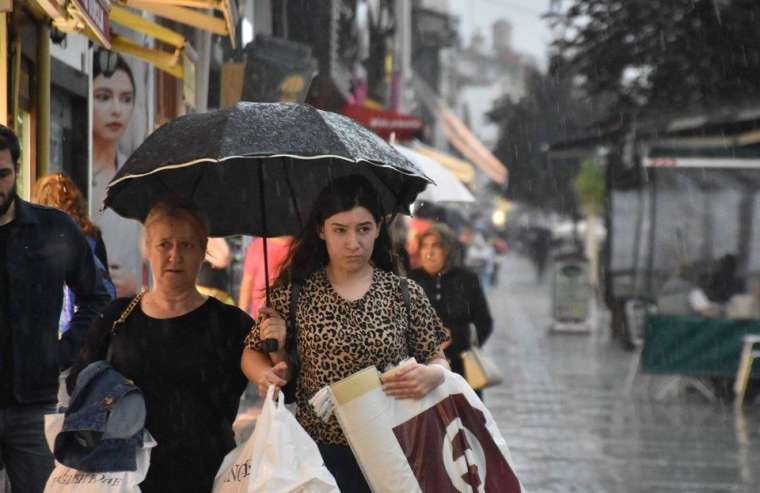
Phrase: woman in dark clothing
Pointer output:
(455, 292)
(183, 350)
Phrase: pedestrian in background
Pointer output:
(41, 250)
(454, 291)
(58, 191)
(214, 276)
(253, 284)
(350, 314)
(182, 349)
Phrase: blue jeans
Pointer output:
(23, 449)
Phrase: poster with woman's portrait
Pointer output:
(120, 122)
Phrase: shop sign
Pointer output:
(95, 14)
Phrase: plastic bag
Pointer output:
(64, 479)
(278, 457)
(445, 442)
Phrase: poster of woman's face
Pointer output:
(113, 104)
(114, 109)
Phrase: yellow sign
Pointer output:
(291, 87)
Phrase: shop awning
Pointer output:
(184, 12)
(89, 17)
(460, 168)
(383, 122)
(459, 135)
(168, 61)
(470, 146)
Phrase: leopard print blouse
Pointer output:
(337, 338)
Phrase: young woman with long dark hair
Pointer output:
(350, 314)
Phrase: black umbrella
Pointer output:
(234, 162)
(256, 168)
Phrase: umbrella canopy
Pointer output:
(256, 168)
(447, 187)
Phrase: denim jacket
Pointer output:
(46, 250)
(103, 427)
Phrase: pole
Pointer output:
(43, 100)
(270, 345)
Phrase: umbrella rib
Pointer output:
(197, 182)
(293, 198)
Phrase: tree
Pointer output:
(551, 111)
(661, 54)
(589, 188)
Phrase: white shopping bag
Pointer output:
(444, 442)
(67, 480)
(279, 457)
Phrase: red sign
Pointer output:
(450, 450)
(384, 123)
(96, 16)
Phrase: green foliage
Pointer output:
(551, 111)
(661, 54)
(589, 186)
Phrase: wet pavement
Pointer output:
(572, 425)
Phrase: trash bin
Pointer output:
(572, 293)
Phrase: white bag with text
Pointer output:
(64, 479)
(279, 457)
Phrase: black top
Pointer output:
(100, 249)
(188, 368)
(6, 353)
(45, 251)
(459, 300)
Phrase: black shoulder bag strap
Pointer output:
(404, 286)
(291, 343)
(122, 318)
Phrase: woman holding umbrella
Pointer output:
(350, 313)
(182, 349)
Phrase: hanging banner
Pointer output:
(120, 122)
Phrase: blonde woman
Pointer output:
(183, 350)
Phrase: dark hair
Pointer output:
(107, 63)
(308, 252)
(8, 140)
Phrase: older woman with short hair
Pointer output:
(183, 350)
(454, 291)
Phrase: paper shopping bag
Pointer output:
(444, 442)
(280, 457)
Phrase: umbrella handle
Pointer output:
(270, 345)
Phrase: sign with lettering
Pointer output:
(95, 14)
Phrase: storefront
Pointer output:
(69, 109)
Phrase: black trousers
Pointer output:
(340, 461)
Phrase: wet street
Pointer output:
(572, 426)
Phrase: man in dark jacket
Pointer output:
(41, 249)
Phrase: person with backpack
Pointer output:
(348, 310)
